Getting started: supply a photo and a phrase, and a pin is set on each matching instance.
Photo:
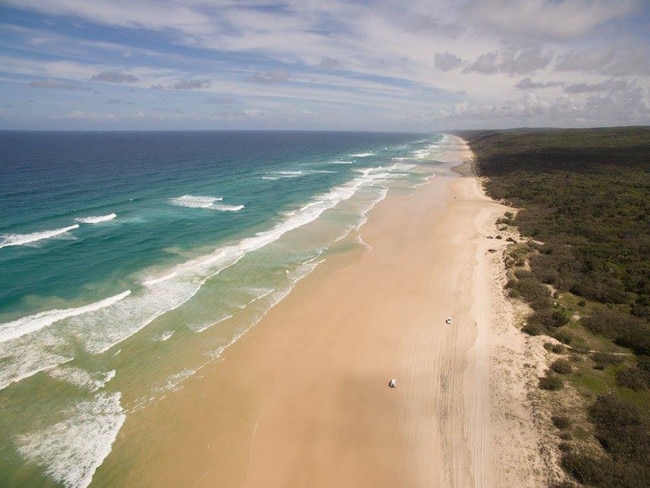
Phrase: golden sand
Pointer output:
(303, 400)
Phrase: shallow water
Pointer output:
(129, 260)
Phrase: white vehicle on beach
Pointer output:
(448, 321)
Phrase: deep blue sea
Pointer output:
(130, 259)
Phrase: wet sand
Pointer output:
(303, 400)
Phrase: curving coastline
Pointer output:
(302, 399)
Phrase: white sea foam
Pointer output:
(31, 323)
(96, 219)
(273, 298)
(82, 378)
(341, 162)
(362, 155)
(103, 329)
(163, 336)
(281, 175)
(71, 450)
(277, 296)
(175, 381)
(30, 345)
(7, 240)
(154, 281)
(192, 201)
(25, 359)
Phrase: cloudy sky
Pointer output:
(405, 65)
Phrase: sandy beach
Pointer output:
(303, 399)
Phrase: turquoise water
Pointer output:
(129, 260)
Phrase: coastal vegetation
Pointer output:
(583, 211)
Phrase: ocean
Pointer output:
(129, 260)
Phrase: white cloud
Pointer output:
(342, 60)
(195, 84)
(149, 14)
(275, 76)
(511, 61)
(544, 19)
(528, 84)
(603, 86)
(625, 58)
(114, 76)
(447, 61)
(53, 84)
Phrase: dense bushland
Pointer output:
(586, 195)
(625, 437)
(584, 200)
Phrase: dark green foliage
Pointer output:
(562, 336)
(561, 421)
(633, 378)
(637, 339)
(620, 429)
(560, 317)
(533, 329)
(626, 439)
(542, 317)
(554, 348)
(561, 366)
(603, 472)
(533, 292)
(603, 359)
(585, 194)
(557, 348)
(610, 322)
(551, 382)
(625, 329)
(563, 484)
(643, 363)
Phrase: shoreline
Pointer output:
(302, 399)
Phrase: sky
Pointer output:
(387, 65)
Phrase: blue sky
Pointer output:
(405, 65)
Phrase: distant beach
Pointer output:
(303, 398)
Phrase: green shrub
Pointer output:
(541, 316)
(557, 348)
(563, 484)
(554, 347)
(632, 378)
(585, 469)
(560, 317)
(562, 336)
(523, 274)
(533, 329)
(532, 290)
(561, 366)
(619, 326)
(637, 339)
(561, 421)
(620, 429)
(551, 382)
(603, 359)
